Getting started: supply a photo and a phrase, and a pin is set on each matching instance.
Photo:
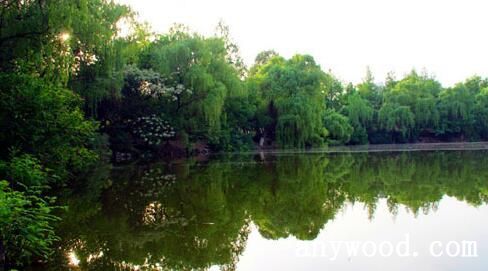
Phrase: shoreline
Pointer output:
(446, 146)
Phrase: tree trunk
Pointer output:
(2, 256)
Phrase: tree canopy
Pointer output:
(77, 92)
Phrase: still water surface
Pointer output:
(362, 211)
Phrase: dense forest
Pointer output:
(74, 91)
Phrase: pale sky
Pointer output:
(448, 38)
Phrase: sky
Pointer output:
(446, 38)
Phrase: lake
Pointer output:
(421, 210)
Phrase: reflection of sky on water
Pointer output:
(453, 221)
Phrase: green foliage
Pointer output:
(59, 39)
(397, 119)
(239, 124)
(411, 107)
(456, 108)
(190, 79)
(295, 88)
(45, 121)
(26, 229)
(62, 61)
(370, 91)
(47, 47)
(358, 110)
(334, 91)
(262, 59)
(26, 170)
(340, 130)
(481, 113)
(427, 114)
(360, 115)
(98, 54)
(201, 65)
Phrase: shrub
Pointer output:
(44, 120)
(26, 170)
(26, 229)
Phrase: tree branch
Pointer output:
(183, 104)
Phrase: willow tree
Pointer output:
(456, 108)
(202, 66)
(63, 41)
(415, 95)
(397, 120)
(481, 113)
(294, 90)
(339, 127)
(98, 50)
(45, 45)
(360, 114)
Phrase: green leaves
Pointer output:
(26, 229)
(45, 121)
(295, 88)
(26, 170)
(360, 114)
(456, 107)
(198, 64)
(338, 126)
(397, 118)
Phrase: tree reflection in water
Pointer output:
(191, 215)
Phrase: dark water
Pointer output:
(376, 211)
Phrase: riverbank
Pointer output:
(446, 146)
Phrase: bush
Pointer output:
(26, 170)
(25, 225)
(44, 120)
(340, 130)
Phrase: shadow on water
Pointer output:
(194, 215)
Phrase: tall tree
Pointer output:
(295, 87)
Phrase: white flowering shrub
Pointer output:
(152, 130)
(157, 175)
(150, 83)
(174, 93)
